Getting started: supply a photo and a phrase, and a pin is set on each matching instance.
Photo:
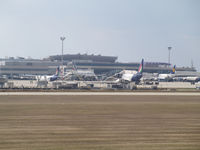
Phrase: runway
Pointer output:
(104, 93)
(99, 122)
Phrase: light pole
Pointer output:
(169, 49)
(62, 38)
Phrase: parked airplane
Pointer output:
(191, 79)
(167, 77)
(49, 77)
(127, 76)
(178, 77)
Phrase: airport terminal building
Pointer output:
(100, 64)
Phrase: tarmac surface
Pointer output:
(105, 93)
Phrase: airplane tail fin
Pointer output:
(173, 69)
(74, 67)
(58, 71)
(140, 70)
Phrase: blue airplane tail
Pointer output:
(140, 69)
(138, 75)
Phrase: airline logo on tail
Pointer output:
(174, 69)
(140, 70)
(57, 71)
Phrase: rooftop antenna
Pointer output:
(192, 63)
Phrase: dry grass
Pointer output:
(99, 122)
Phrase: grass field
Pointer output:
(100, 122)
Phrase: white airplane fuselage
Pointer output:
(127, 75)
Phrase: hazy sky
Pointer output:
(129, 29)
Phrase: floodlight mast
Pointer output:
(62, 38)
(169, 49)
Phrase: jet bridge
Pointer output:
(3, 81)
